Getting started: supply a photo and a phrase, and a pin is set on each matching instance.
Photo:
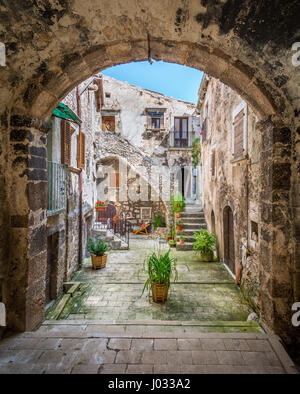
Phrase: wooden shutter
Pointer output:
(66, 134)
(115, 179)
(81, 150)
(238, 129)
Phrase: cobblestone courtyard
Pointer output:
(204, 291)
(106, 327)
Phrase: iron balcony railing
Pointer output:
(183, 139)
(56, 187)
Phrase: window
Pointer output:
(66, 136)
(239, 131)
(146, 213)
(155, 118)
(114, 179)
(108, 123)
(81, 150)
(180, 132)
(155, 123)
(107, 95)
(254, 231)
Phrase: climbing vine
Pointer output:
(196, 152)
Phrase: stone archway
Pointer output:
(59, 44)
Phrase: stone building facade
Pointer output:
(230, 157)
(152, 134)
(71, 185)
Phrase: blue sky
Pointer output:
(170, 79)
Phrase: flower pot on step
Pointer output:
(179, 228)
(98, 262)
(159, 292)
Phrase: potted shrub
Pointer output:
(160, 268)
(204, 245)
(169, 236)
(179, 224)
(181, 239)
(100, 206)
(97, 249)
(172, 243)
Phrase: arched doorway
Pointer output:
(228, 232)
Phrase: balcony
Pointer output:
(181, 140)
(56, 188)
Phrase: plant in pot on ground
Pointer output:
(158, 222)
(172, 243)
(181, 239)
(169, 236)
(204, 245)
(159, 268)
(97, 249)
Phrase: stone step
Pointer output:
(193, 219)
(188, 233)
(192, 226)
(186, 246)
(192, 214)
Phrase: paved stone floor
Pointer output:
(106, 326)
(116, 349)
(204, 291)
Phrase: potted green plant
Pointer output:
(204, 245)
(178, 203)
(160, 268)
(181, 239)
(169, 236)
(158, 222)
(97, 249)
(172, 243)
(179, 224)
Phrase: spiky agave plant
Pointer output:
(160, 268)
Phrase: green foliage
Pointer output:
(196, 152)
(204, 242)
(158, 222)
(172, 242)
(160, 268)
(97, 247)
(177, 201)
(181, 237)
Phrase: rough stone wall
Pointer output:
(235, 183)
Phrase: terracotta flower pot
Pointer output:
(179, 228)
(181, 241)
(101, 209)
(172, 245)
(98, 262)
(159, 292)
(169, 237)
(177, 214)
(206, 256)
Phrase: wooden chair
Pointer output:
(142, 229)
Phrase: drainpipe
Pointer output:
(80, 186)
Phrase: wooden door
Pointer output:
(48, 270)
(181, 133)
(229, 256)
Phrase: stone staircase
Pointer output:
(193, 219)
